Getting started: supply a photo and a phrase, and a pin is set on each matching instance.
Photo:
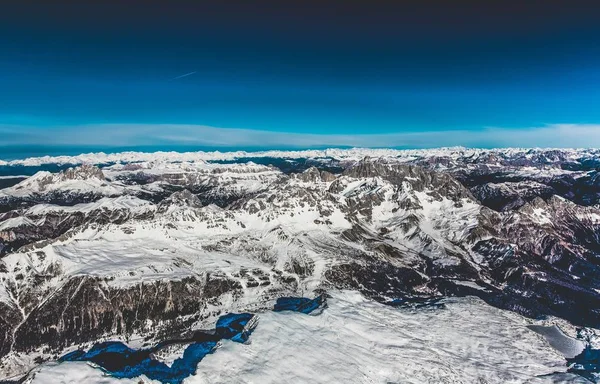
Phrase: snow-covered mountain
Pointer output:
(147, 246)
(518, 156)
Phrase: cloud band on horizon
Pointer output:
(132, 135)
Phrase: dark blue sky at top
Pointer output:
(322, 67)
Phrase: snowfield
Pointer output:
(356, 340)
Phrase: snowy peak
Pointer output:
(444, 157)
(83, 172)
(184, 198)
(85, 178)
(314, 175)
(402, 175)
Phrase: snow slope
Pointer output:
(356, 340)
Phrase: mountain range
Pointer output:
(145, 246)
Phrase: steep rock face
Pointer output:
(547, 251)
(82, 184)
(87, 308)
(377, 279)
(46, 221)
(43, 181)
(83, 172)
(313, 174)
(182, 198)
(211, 183)
(418, 177)
(583, 190)
(9, 316)
(510, 195)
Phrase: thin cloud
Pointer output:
(115, 135)
(184, 75)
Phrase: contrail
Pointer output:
(186, 75)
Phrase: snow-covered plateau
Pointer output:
(451, 265)
(358, 340)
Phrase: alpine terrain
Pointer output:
(451, 265)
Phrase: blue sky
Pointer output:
(298, 74)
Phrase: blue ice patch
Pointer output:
(586, 364)
(299, 304)
(233, 326)
(121, 361)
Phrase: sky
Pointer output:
(298, 74)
